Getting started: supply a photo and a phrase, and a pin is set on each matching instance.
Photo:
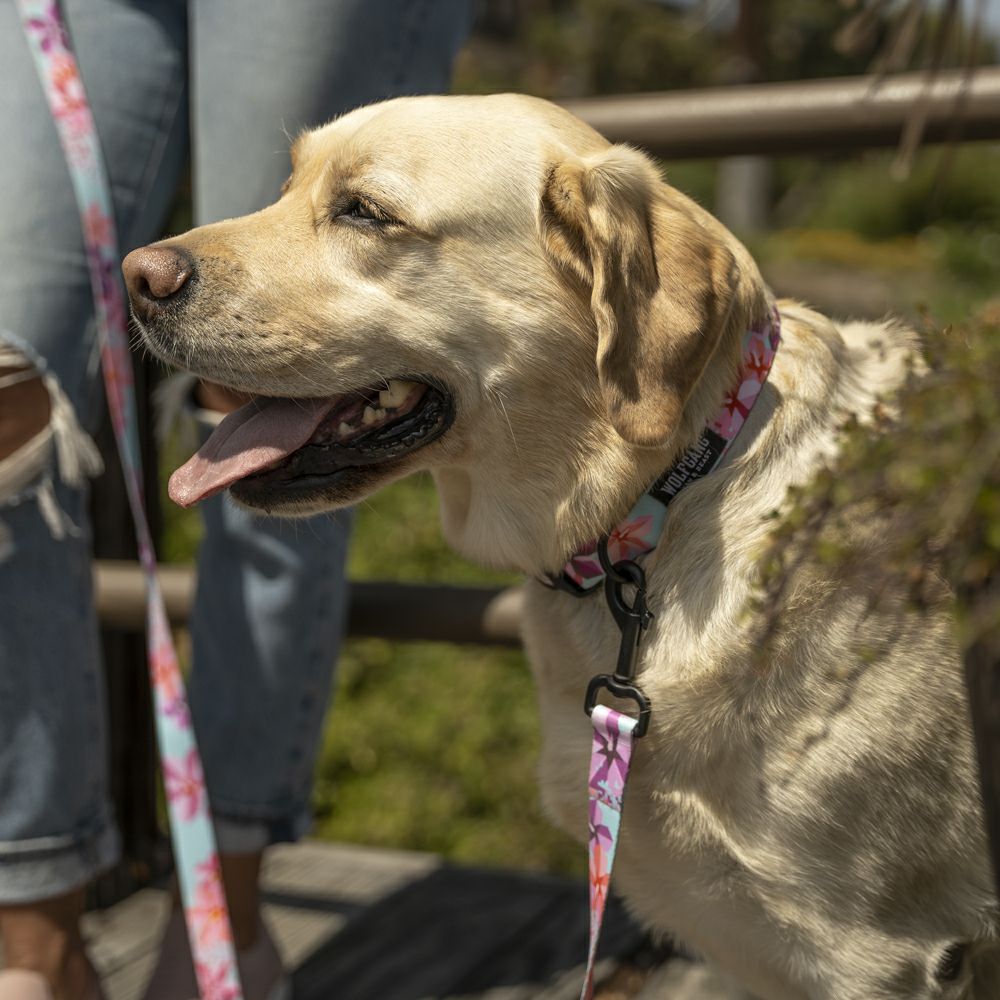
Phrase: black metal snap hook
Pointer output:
(626, 615)
(632, 620)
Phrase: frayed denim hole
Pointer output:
(62, 448)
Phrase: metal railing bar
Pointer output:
(808, 116)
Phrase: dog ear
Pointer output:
(662, 284)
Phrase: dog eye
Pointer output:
(364, 212)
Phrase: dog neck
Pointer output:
(549, 502)
(639, 532)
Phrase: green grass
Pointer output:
(957, 190)
(432, 746)
(397, 536)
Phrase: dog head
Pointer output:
(479, 286)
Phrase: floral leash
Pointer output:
(197, 860)
(611, 560)
(610, 758)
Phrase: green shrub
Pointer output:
(932, 480)
(864, 196)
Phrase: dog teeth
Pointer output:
(371, 415)
(395, 395)
(344, 430)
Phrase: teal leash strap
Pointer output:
(197, 860)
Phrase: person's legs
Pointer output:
(262, 71)
(269, 611)
(263, 648)
(56, 827)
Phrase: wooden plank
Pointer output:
(123, 941)
(348, 871)
(312, 889)
(535, 955)
(120, 933)
(359, 923)
(462, 933)
(484, 615)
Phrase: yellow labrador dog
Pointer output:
(485, 288)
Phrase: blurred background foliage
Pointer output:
(928, 486)
(433, 747)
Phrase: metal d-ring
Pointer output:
(612, 569)
(619, 690)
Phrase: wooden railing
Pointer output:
(808, 116)
(401, 611)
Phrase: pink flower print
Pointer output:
(161, 648)
(97, 227)
(117, 368)
(213, 982)
(117, 317)
(185, 784)
(597, 829)
(50, 29)
(178, 711)
(605, 753)
(630, 539)
(614, 781)
(734, 413)
(166, 679)
(610, 768)
(70, 101)
(209, 870)
(600, 878)
(582, 568)
(118, 386)
(734, 403)
(757, 366)
(209, 913)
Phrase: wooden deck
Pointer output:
(359, 924)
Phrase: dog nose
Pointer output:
(154, 276)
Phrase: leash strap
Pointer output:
(197, 861)
(611, 560)
(641, 529)
(610, 757)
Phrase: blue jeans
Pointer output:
(236, 77)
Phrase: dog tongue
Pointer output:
(248, 440)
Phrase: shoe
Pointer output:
(173, 978)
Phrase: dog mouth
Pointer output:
(279, 446)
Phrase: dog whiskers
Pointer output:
(503, 409)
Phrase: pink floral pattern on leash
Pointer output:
(610, 759)
(190, 822)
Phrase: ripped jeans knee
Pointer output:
(41, 439)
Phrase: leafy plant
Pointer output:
(930, 484)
